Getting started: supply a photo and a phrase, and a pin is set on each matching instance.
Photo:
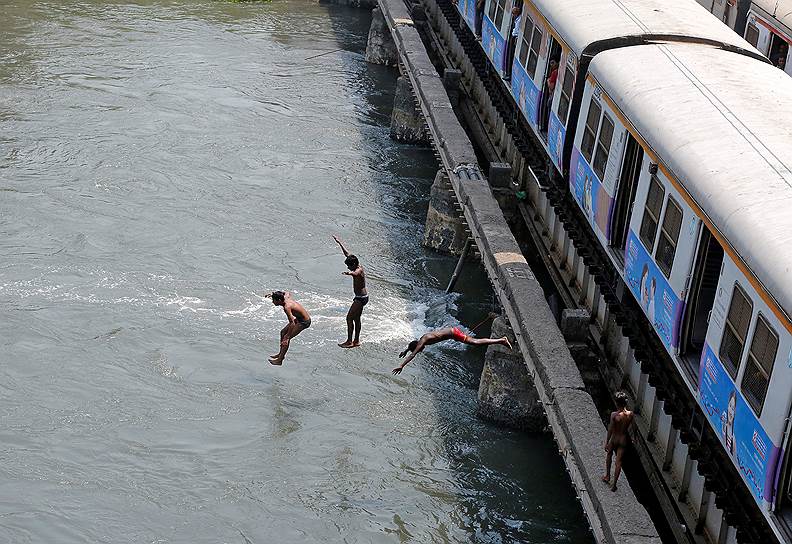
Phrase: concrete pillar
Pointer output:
(445, 230)
(407, 124)
(506, 392)
(380, 48)
(574, 324)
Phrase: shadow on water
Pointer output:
(511, 486)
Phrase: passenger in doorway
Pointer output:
(479, 18)
(553, 77)
(453, 333)
(508, 58)
(360, 299)
(618, 438)
(779, 57)
(299, 320)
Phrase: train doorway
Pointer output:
(625, 196)
(701, 297)
(548, 86)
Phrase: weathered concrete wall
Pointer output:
(445, 230)
(506, 394)
(380, 48)
(407, 124)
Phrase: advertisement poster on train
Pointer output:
(650, 287)
(468, 10)
(588, 191)
(734, 422)
(492, 42)
(555, 139)
(525, 92)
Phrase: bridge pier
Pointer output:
(445, 231)
(407, 124)
(380, 48)
(506, 394)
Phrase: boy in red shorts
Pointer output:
(454, 333)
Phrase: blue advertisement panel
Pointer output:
(467, 8)
(742, 436)
(650, 287)
(555, 140)
(588, 191)
(493, 43)
(525, 93)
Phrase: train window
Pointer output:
(752, 35)
(736, 330)
(497, 8)
(590, 130)
(533, 55)
(669, 234)
(651, 216)
(566, 94)
(525, 46)
(603, 146)
(759, 366)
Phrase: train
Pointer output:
(765, 24)
(672, 134)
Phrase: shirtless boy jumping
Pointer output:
(361, 296)
(617, 439)
(299, 320)
(454, 333)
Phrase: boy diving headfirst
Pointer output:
(454, 333)
(299, 320)
(361, 297)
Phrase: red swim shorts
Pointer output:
(458, 335)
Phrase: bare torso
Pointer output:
(359, 282)
(434, 337)
(619, 424)
(297, 310)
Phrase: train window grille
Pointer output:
(533, 55)
(735, 331)
(590, 130)
(566, 93)
(525, 46)
(651, 215)
(759, 366)
(752, 35)
(669, 235)
(603, 146)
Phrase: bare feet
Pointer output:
(506, 342)
(349, 344)
(277, 361)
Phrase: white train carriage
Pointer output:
(769, 29)
(568, 31)
(682, 165)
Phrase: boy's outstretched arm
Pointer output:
(419, 348)
(346, 253)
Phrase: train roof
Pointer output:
(780, 10)
(721, 123)
(582, 22)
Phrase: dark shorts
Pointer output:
(363, 299)
(304, 323)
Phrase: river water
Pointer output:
(163, 163)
